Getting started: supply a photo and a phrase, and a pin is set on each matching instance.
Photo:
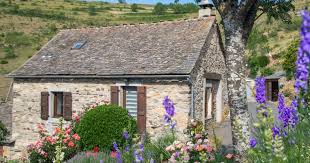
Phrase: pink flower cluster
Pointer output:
(60, 135)
(198, 149)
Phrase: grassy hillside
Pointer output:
(25, 26)
(272, 38)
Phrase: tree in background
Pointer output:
(238, 17)
(159, 9)
(134, 7)
(122, 1)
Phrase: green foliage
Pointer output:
(289, 59)
(257, 62)
(104, 125)
(17, 39)
(91, 158)
(160, 9)
(92, 10)
(3, 132)
(266, 71)
(3, 62)
(256, 40)
(36, 12)
(157, 149)
(184, 8)
(134, 7)
(277, 9)
(9, 52)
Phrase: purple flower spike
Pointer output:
(303, 60)
(260, 90)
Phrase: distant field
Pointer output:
(25, 26)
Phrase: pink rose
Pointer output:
(76, 137)
(229, 156)
(70, 144)
(198, 136)
(209, 148)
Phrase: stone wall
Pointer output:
(211, 61)
(26, 104)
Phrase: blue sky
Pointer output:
(148, 1)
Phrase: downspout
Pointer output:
(192, 108)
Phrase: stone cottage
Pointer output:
(134, 66)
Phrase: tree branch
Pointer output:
(259, 15)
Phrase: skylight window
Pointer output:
(78, 45)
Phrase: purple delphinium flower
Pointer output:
(138, 157)
(169, 106)
(119, 157)
(101, 161)
(115, 146)
(174, 123)
(170, 112)
(126, 135)
(260, 90)
(141, 147)
(302, 63)
(127, 148)
(253, 143)
(275, 131)
(294, 113)
(288, 116)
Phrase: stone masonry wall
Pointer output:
(26, 105)
(210, 61)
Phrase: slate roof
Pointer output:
(276, 75)
(144, 49)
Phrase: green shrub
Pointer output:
(256, 62)
(3, 62)
(104, 125)
(17, 39)
(289, 59)
(9, 52)
(184, 8)
(92, 10)
(134, 7)
(3, 132)
(266, 71)
(159, 9)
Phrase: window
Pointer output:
(58, 104)
(130, 100)
(78, 45)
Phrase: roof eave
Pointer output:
(167, 76)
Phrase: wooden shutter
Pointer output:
(44, 105)
(67, 107)
(114, 95)
(141, 117)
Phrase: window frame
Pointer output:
(55, 107)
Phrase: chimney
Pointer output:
(205, 8)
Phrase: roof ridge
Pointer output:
(139, 24)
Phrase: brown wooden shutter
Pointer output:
(141, 109)
(44, 105)
(114, 95)
(67, 107)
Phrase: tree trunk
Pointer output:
(235, 43)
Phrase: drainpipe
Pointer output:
(192, 108)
